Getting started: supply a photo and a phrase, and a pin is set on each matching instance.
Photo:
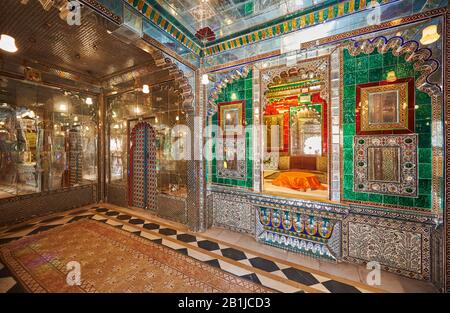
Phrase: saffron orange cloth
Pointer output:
(299, 181)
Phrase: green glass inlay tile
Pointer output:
(362, 77)
(348, 182)
(348, 141)
(349, 104)
(423, 112)
(425, 170)
(424, 140)
(349, 79)
(375, 75)
(248, 83)
(349, 92)
(424, 155)
(424, 186)
(360, 196)
(401, 59)
(404, 70)
(375, 61)
(423, 126)
(348, 170)
(348, 156)
(423, 201)
(348, 118)
(406, 201)
(388, 69)
(346, 5)
(422, 98)
(390, 199)
(349, 66)
(349, 129)
(361, 64)
(248, 8)
(375, 198)
(349, 194)
(389, 59)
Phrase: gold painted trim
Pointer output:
(256, 58)
(373, 28)
(226, 107)
(402, 107)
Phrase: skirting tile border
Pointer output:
(401, 226)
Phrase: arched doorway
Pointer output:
(295, 141)
(142, 178)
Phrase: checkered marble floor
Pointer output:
(262, 269)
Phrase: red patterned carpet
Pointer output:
(111, 260)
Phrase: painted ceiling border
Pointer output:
(164, 24)
(329, 13)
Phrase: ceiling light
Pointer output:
(145, 89)
(429, 35)
(233, 96)
(228, 21)
(63, 107)
(205, 79)
(8, 43)
(89, 101)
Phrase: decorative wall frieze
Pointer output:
(165, 25)
(446, 54)
(214, 92)
(233, 213)
(398, 246)
(314, 207)
(100, 8)
(298, 232)
(318, 67)
(413, 53)
(302, 21)
(373, 28)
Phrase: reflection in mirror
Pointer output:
(48, 138)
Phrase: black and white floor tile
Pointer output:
(241, 262)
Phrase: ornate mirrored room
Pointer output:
(238, 146)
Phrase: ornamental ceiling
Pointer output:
(228, 17)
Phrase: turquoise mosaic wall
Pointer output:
(372, 68)
(240, 89)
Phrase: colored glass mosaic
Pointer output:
(240, 89)
(369, 68)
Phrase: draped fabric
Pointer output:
(299, 181)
